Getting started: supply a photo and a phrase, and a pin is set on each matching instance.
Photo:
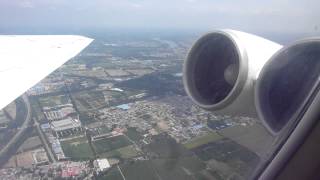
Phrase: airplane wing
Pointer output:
(27, 59)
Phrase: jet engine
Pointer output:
(221, 70)
(288, 84)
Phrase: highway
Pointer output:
(24, 126)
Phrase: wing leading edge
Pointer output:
(25, 60)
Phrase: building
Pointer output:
(40, 157)
(123, 106)
(66, 126)
(57, 150)
(58, 112)
(101, 165)
(71, 170)
(37, 90)
(45, 127)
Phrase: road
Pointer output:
(24, 126)
(121, 173)
(44, 141)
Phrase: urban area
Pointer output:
(118, 111)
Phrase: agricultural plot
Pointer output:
(30, 143)
(201, 140)
(112, 174)
(255, 137)
(177, 169)
(109, 144)
(116, 72)
(124, 152)
(182, 168)
(89, 100)
(239, 158)
(139, 72)
(139, 170)
(133, 134)
(77, 149)
(164, 146)
(50, 101)
(36, 109)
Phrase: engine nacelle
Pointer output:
(221, 69)
(288, 83)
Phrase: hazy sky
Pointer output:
(248, 15)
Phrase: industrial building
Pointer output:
(58, 112)
(101, 165)
(66, 126)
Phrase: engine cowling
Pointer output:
(221, 69)
(287, 84)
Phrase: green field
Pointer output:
(124, 152)
(183, 165)
(88, 100)
(77, 149)
(164, 146)
(36, 109)
(133, 134)
(174, 162)
(198, 141)
(104, 129)
(254, 137)
(139, 170)
(54, 100)
(177, 169)
(112, 174)
(227, 156)
(109, 144)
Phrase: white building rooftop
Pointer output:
(102, 164)
(65, 124)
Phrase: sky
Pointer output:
(290, 16)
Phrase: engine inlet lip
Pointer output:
(241, 78)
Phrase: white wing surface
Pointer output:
(25, 60)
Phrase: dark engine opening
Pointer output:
(288, 82)
(208, 62)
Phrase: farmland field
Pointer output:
(133, 134)
(198, 141)
(124, 152)
(112, 174)
(226, 151)
(109, 144)
(77, 149)
(177, 169)
(254, 137)
(54, 100)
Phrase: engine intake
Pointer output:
(287, 84)
(221, 69)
